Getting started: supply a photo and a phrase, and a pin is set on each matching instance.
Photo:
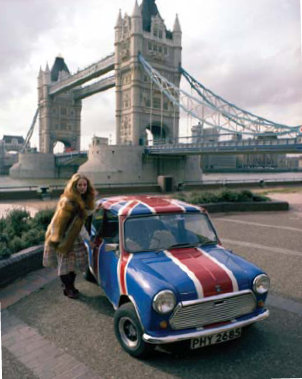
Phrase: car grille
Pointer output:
(215, 309)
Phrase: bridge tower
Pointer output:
(60, 115)
(139, 105)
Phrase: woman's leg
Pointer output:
(72, 276)
(68, 287)
(66, 265)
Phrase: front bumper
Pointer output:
(204, 332)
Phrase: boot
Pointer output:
(73, 275)
(68, 291)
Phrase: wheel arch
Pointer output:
(124, 299)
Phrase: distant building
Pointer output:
(13, 143)
(212, 162)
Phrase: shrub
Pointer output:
(19, 231)
(226, 195)
(4, 251)
(15, 245)
(17, 219)
(43, 218)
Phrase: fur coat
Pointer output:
(66, 223)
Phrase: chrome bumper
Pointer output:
(204, 332)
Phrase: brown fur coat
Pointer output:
(66, 223)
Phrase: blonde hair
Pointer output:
(87, 197)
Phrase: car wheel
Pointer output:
(129, 332)
(89, 276)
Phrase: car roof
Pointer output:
(145, 205)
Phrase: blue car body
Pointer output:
(214, 289)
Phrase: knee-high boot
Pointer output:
(73, 275)
(68, 291)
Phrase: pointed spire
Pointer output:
(176, 27)
(136, 11)
(119, 20)
(40, 71)
(47, 68)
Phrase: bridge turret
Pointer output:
(177, 36)
(118, 27)
(46, 77)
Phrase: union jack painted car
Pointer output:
(163, 268)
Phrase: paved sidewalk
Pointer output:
(39, 355)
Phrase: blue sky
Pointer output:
(248, 52)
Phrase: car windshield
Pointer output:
(167, 231)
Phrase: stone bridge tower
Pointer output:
(139, 105)
(60, 115)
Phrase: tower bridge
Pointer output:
(147, 69)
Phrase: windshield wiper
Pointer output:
(184, 244)
(209, 243)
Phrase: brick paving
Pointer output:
(39, 355)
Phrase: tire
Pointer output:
(129, 332)
(89, 276)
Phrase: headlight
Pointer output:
(164, 302)
(261, 284)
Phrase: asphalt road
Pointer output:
(271, 349)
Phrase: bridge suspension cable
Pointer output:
(224, 117)
(242, 115)
(30, 132)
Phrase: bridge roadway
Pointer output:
(274, 146)
(78, 336)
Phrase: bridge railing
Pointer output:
(166, 144)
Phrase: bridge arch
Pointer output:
(61, 146)
(156, 132)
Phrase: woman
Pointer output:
(64, 246)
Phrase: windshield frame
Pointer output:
(204, 214)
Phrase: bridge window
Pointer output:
(155, 47)
(63, 111)
(155, 31)
(160, 34)
(160, 49)
(72, 112)
(156, 103)
(149, 46)
(166, 50)
(54, 110)
(166, 105)
(63, 125)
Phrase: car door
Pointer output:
(105, 262)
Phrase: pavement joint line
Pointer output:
(285, 304)
(16, 338)
(264, 248)
(259, 224)
(31, 283)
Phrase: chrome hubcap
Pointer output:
(128, 332)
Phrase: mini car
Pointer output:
(169, 279)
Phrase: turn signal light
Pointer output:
(163, 324)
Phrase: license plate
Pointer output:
(213, 339)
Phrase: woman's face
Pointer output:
(82, 186)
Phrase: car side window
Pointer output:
(97, 222)
(110, 230)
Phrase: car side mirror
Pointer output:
(111, 247)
